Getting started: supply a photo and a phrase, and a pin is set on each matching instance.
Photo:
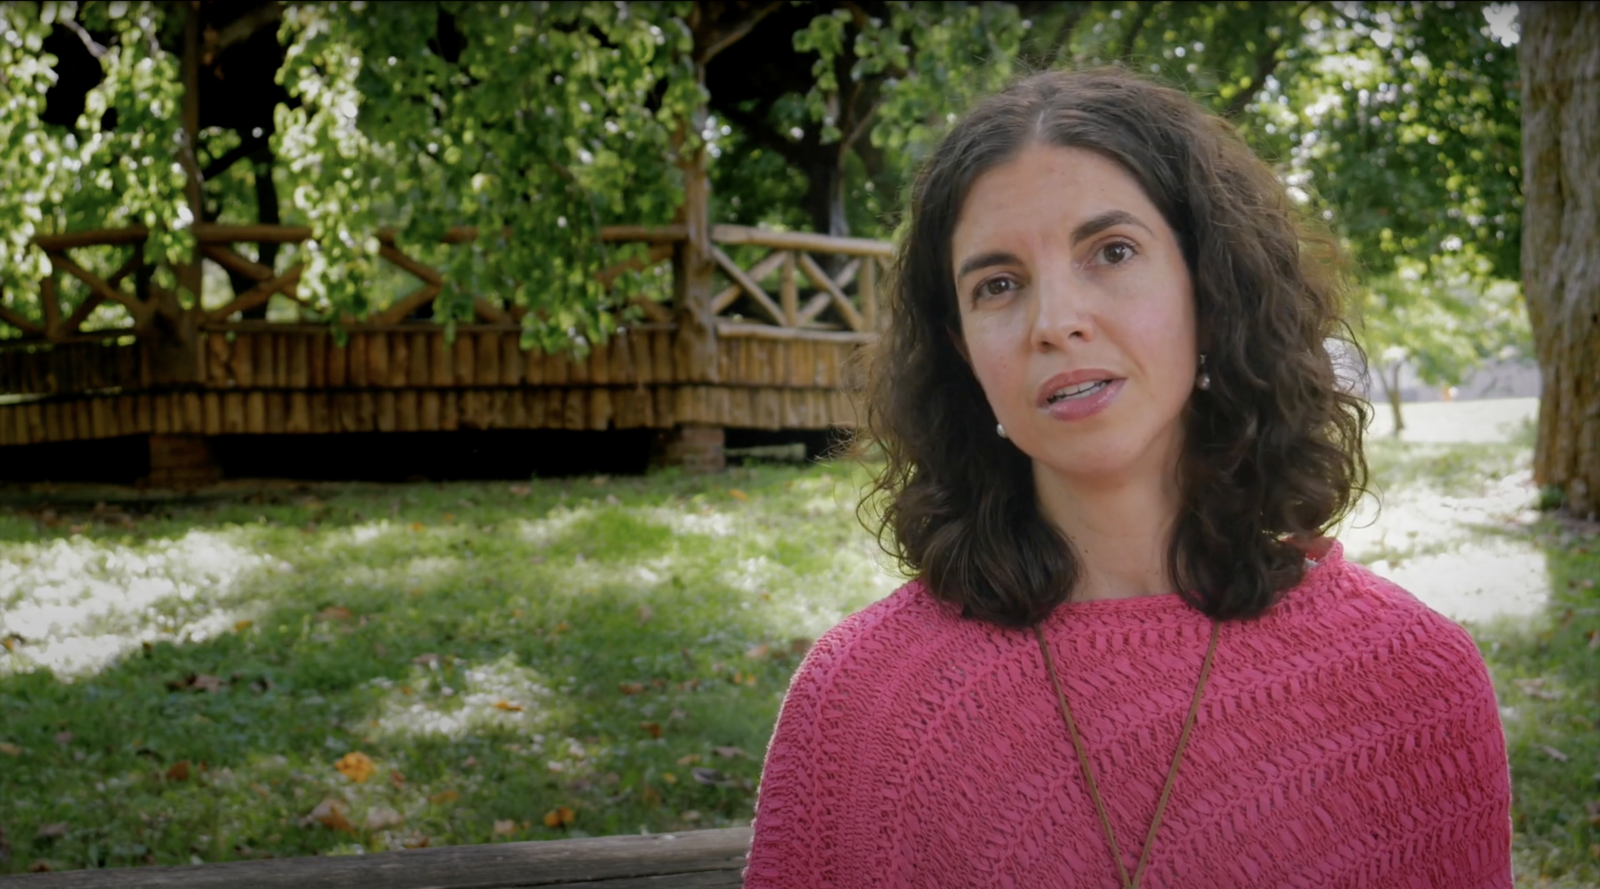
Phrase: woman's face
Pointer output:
(1077, 314)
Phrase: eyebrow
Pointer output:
(1086, 229)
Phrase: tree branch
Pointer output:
(1266, 63)
(234, 155)
(1134, 27)
(239, 30)
(724, 39)
(1064, 33)
(89, 43)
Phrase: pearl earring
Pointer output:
(1203, 382)
(1000, 431)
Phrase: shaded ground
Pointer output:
(207, 680)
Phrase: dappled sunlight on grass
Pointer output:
(74, 605)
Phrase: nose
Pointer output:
(1061, 312)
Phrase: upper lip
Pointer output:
(1061, 381)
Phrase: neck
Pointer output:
(1119, 529)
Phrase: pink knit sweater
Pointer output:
(1348, 738)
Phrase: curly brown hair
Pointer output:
(1273, 450)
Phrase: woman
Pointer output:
(1114, 441)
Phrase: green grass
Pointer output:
(392, 620)
(497, 651)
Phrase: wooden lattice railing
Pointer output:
(807, 296)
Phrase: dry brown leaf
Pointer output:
(51, 831)
(330, 813)
(708, 777)
(203, 682)
(507, 705)
(737, 494)
(417, 841)
(730, 752)
(1534, 688)
(504, 827)
(649, 797)
(39, 867)
(688, 759)
(397, 779)
(756, 652)
(799, 646)
(10, 749)
(416, 526)
(1594, 639)
(444, 796)
(560, 816)
(179, 771)
(520, 490)
(631, 688)
(335, 612)
(356, 766)
(669, 777)
(689, 815)
(654, 728)
(383, 818)
(239, 626)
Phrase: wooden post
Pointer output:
(182, 461)
(190, 275)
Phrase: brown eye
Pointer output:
(1116, 253)
(995, 287)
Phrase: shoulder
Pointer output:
(1344, 607)
(891, 630)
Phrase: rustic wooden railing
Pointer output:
(700, 859)
(784, 329)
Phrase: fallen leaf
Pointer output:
(242, 625)
(329, 813)
(689, 815)
(645, 613)
(39, 867)
(1594, 639)
(737, 494)
(1553, 753)
(335, 612)
(654, 728)
(708, 777)
(730, 752)
(416, 526)
(10, 749)
(51, 831)
(179, 771)
(63, 738)
(203, 682)
(507, 705)
(356, 766)
(676, 716)
(504, 828)
(383, 818)
(631, 688)
(520, 490)
(689, 759)
(397, 779)
(426, 660)
(470, 762)
(444, 796)
(415, 842)
(1534, 688)
(449, 517)
(799, 646)
(756, 652)
(260, 790)
(1593, 808)
(560, 816)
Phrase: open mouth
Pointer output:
(1076, 391)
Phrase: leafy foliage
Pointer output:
(1395, 123)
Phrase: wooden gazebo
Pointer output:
(763, 346)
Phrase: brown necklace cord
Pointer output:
(1088, 775)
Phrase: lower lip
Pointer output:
(1088, 406)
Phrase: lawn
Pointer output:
(341, 669)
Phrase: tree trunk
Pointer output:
(1560, 60)
(1391, 391)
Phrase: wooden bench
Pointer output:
(697, 859)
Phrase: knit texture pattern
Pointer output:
(1348, 738)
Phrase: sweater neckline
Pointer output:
(1331, 556)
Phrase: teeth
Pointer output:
(1077, 391)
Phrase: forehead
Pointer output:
(1047, 184)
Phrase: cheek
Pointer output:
(996, 361)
